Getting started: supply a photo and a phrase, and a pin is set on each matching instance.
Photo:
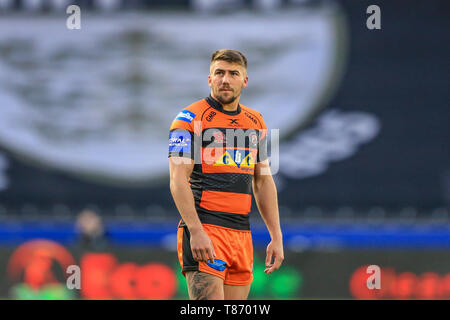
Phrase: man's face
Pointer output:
(227, 80)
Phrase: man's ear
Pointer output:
(245, 82)
(209, 81)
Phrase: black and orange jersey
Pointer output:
(225, 147)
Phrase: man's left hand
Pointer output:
(274, 250)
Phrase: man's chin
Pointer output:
(226, 100)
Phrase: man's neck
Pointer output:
(230, 106)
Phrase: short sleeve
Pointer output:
(181, 135)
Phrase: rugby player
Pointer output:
(218, 158)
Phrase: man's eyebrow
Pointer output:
(233, 70)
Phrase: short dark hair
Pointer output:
(230, 55)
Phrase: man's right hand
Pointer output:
(180, 171)
(201, 246)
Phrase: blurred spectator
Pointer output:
(93, 236)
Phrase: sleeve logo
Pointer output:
(185, 115)
(180, 142)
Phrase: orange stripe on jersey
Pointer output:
(239, 203)
(211, 168)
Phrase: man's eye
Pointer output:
(235, 73)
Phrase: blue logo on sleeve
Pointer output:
(217, 265)
(180, 142)
(186, 115)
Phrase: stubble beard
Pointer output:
(224, 100)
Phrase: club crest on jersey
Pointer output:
(186, 115)
(219, 137)
(236, 158)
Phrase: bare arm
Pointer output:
(180, 170)
(265, 193)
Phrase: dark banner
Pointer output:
(44, 269)
(362, 113)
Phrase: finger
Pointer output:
(204, 255)
(275, 266)
(194, 254)
(269, 255)
(199, 255)
(277, 263)
(211, 254)
(270, 269)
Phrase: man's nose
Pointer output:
(226, 78)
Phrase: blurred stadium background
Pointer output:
(364, 175)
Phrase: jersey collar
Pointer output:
(218, 106)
